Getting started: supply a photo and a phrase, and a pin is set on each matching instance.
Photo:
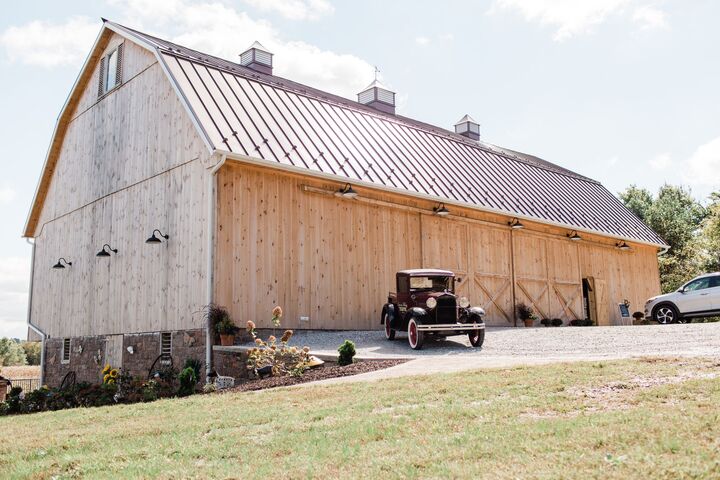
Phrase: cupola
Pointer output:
(378, 96)
(468, 127)
(258, 58)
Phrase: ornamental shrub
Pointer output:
(195, 364)
(347, 352)
(188, 380)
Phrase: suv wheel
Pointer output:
(389, 332)
(415, 337)
(665, 314)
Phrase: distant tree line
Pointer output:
(14, 352)
(690, 228)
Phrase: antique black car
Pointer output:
(425, 305)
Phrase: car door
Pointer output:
(714, 292)
(695, 296)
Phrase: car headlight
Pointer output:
(464, 302)
(431, 302)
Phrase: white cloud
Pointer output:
(7, 195)
(612, 161)
(422, 40)
(50, 44)
(14, 281)
(703, 167)
(661, 161)
(295, 9)
(574, 17)
(221, 30)
(650, 18)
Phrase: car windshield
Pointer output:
(431, 284)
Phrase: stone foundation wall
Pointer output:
(231, 364)
(88, 355)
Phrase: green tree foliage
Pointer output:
(32, 352)
(711, 234)
(678, 218)
(11, 353)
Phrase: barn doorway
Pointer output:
(589, 300)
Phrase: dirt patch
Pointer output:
(18, 372)
(320, 373)
(613, 389)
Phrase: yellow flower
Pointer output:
(106, 369)
(114, 373)
(111, 381)
(106, 378)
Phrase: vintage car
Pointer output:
(425, 305)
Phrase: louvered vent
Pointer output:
(378, 96)
(468, 127)
(101, 78)
(258, 58)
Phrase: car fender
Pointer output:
(476, 311)
(417, 312)
(390, 310)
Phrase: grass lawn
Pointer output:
(647, 418)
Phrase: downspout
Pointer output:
(212, 200)
(29, 316)
(663, 251)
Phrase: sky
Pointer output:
(622, 91)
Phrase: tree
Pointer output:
(32, 352)
(11, 353)
(711, 234)
(677, 217)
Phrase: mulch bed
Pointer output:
(328, 370)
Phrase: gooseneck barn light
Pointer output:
(515, 224)
(105, 252)
(60, 265)
(155, 239)
(441, 210)
(574, 236)
(347, 191)
(622, 246)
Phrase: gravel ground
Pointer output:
(571, 342)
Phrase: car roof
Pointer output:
(705, 275)
(426, 271)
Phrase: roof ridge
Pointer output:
(309, 91)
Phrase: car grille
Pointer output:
(446, 310)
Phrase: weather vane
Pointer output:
(377, 70)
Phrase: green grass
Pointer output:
(648, 418)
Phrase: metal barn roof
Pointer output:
(283, 122)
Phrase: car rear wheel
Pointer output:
(665, 314)
(389, 332)
(477, 337)
(415, 337)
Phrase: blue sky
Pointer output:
(623, 91)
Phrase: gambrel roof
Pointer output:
(277, 122)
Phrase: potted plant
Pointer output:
(223, 324)
(526, 314)
(638, 318)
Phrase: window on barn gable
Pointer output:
(110, 71)
(66, 351)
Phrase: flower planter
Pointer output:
(529, 322)
(227, 340)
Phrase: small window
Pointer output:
(66, 351)
(699, 284)
(110, 71)
(166, 346)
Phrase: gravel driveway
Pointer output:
(505, 347)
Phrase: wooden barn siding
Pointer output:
(129, 163)
(138, 130)
(334, 260)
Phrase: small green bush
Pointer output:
(195, 364)
(347, 352)
(188, 380)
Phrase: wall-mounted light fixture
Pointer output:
(574, 236)
(60, 265)
(515, 224)
(131, 349)
(105, 252)
(441, 210)
(155, 239)
(347, 191)
(622, 246)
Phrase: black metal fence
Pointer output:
(27, 384)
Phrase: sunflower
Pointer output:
(113, 373)
(106, 378)
(106, 369)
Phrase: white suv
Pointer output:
(700, 297)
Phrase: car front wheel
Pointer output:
(415, 337)
(389, 332)
(665, 314)
(477, 337)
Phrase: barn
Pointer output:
(175, 179)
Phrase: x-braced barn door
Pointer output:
(445, 246)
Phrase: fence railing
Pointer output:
(27, 384)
